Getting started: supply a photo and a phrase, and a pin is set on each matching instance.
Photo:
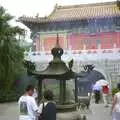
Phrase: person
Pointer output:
(116, 105)
(27, 105)
(105, 94)
(35, 93)
(96, 90)
(48, 107)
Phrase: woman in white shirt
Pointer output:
(116, 105)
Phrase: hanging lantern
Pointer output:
(94, 51)
(89, 52)
(34, 54)
(38, 53)
(79, 52)
(119, 51)
(104, 51)
(110, 51)
(74, 52)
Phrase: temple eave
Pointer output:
(53, 75)
(27, 21)
(77, 12)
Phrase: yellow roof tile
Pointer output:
(87, 11)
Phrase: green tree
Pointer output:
(118, 3)
(11, 55)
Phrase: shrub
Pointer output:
(9, 96)
(114, 91)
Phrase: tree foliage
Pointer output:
(118, 3)
(11, 55)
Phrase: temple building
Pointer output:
(90, 27)
(86, 32)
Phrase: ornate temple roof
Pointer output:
(77, 12)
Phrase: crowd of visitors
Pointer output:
(46, 110)
(102, 93)
(29, 110)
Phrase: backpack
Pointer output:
(49, 111)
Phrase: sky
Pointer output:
(31, 8)
(43, 7)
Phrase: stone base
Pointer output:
(70, 116)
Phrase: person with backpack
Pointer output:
(47, 108)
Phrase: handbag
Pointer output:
(40, 117)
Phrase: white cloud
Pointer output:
(43, 7)
(29, 7)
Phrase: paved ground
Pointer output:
(99, 112)
(9, 111)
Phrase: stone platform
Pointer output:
(70, 116)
